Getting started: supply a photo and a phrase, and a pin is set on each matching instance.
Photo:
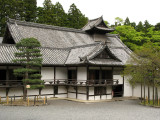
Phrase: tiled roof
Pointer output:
(49, 36)
(94, 24)
(50, 56)
(65, 46)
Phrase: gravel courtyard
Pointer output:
(69, 110)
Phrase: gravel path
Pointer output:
(69, 110)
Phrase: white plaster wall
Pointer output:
(62, 89)
(91, 90)
(81, 73)
(47, 73)
(72, 95)
(2, 92)
(82, 89)
(119, 77)
(109, 90)
(16, 92)
(137, 91)
(104, 97)
(82, 97)
(91, 97)
(99, 37)
(61, 73)
(33, 91)
(97, 97)
(47, 90)
(127, 88)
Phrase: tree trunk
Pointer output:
(148, 94)
(144, 93)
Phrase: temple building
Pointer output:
(81, 64)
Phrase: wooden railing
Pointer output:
(11, 83)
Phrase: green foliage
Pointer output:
(76, 18)
(118, 21)
(30, 7)
(144, 66)
(140, 27)
(157, 27)
(29, 56)
(127, 21)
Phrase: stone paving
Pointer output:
(69, 110)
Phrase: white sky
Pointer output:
(136, 10)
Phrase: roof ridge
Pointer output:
(45, 26)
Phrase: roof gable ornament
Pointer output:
(97, 26)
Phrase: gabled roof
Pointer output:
(47, 35)
(97, 25)
(66, 46)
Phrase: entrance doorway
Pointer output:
(3, 77)
(72, 76)
(117, 91)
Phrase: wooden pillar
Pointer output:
(76, 92)
(144, 93)
(141, 91)
(87, 72)
(87, 89)
(40, 91)
(7, 75)
(54, 75)
(100, 75)
(53, 91)
(123, 84)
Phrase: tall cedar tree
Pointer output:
(140, 27)
(29, 57)
(145, 68)
(146, 26)
(30, 8)
(59, 15)
(76, 18)
(127, 22)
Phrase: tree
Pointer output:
(30, 7)
(118, 21)
(157, 27)
(140, 27)
(127, 22)
(133, 24)
(29, 57)
(144, 68)
(133, 39)
(59, 15)
(146, 26)
(76, 18)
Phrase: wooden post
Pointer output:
(146, 100)
(34, 100)
(7, 100)
(28, 101)
(87, 92)
(148, 94)
(0, 99)
(14, 97)
(158, 101)
(144, 93)
(37, 98)
(44, 100)
(11, 100)
(76, 92)
(54, 75)
(141, 91)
